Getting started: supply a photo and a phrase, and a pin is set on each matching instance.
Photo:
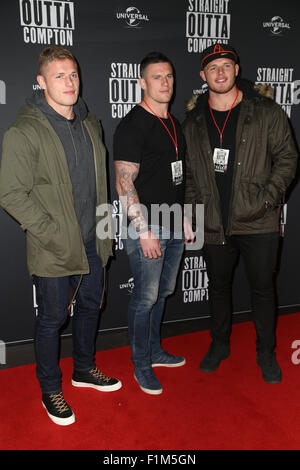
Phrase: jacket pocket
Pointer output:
(52, 240)
(212, 218)
(250, 200)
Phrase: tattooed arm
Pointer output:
(126, 174)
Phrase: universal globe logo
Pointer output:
(128, 286)
(276, 25)
(132, 17)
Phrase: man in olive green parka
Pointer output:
(52, 179)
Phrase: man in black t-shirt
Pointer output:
(240, 159)
(149, 150)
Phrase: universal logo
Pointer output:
(132, 17)
(129, 285)
(276, 25)
(201, 91)
(2, 92)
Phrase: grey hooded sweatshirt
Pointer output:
(79, 153)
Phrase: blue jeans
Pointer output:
(154, 281)
(53, 298)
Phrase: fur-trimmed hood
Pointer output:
(250, 90)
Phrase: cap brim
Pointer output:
(219, 55)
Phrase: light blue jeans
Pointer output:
(154, 281)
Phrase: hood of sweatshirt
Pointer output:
(38, 99)
(71, 132)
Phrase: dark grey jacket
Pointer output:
(265, 165)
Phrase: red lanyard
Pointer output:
(221, 133)
(174, 139)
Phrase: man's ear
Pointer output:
(142, 83)
(41, 81)
(202, 75)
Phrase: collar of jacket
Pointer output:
(196, 103)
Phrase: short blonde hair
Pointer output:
(53, 53)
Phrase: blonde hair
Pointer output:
(53, 53)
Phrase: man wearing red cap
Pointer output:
(241, 158)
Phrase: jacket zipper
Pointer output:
(236, 167)
(213, 179)
(75, 293)
(98, 199)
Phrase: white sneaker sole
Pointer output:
(178, 364)
(149, 390)
(60, 421)
(100, 388)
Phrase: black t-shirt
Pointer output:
(142, 138)
(223, 180)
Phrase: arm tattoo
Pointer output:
(126, 174)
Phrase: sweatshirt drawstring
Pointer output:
(84, 136)
(73, 142)
(72, 138)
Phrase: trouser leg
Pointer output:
(146, 273)
(172, 257)
(260, 252)
(86, 311)
(52, 296)
(220, 263)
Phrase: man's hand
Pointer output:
(150, 245)
(189, 236)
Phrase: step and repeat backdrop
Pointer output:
(109, 38)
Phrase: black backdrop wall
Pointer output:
(109, 38)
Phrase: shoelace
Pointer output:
(99, 375)
(59, 402)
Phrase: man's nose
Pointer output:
(69, 81)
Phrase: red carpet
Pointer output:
(232, 408)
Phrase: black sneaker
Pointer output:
(214, 356)
(270, 369)
(58, 409)
(95, 379)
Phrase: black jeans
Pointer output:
(259, 253)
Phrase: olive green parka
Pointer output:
(36, 189)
